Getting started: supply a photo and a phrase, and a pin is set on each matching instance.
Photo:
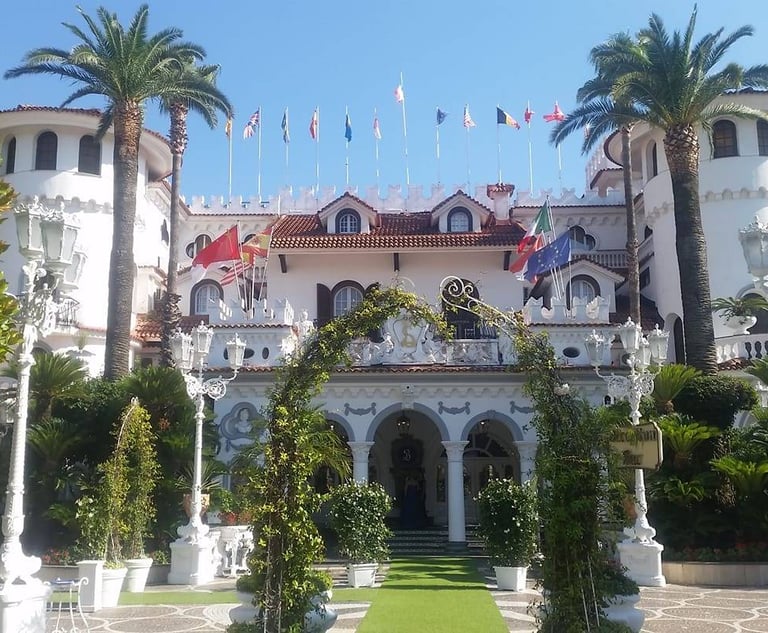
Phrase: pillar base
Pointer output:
(192, 563)
(22, 607)
(643, 562)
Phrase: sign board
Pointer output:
(639, 446)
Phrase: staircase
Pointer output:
(432, 541)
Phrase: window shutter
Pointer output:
(324, 307)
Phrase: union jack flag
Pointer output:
(253, 123)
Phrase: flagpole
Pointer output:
(258, 181)
(405, 138)
(469, 172)
(317, 156)
(229, 179)
(560, 168)
(498, 148)
(376, 139)
(437, 150)
(346, 145)
(285, 132)
(530, 149)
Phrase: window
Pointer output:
(345, 299)
(10, 156)
(459, 220)
(645, 278)
(89, 158)
(205, 298)
(464, 324)
(348, 221)
(47, 146)
(164, 235)
(724, 139)
(654, 160)
(762, 138)
(580, 239)
(201, 241)
(583, 287)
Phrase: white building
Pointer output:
(445, 414)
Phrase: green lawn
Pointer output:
(431, 595)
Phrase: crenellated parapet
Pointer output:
(569, 198)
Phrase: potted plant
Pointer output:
(357, 512)
(509, 527)
(740, 313)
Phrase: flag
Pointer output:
(528, 114)
(468, 122)
(376, 128)
(519, 264)
(441, 116)
(313, 125)
(556, 115)
(238, 270)
(258, 245)
(252, 124)
(347, 128)
(399, 94)
(284, 127)
(550, 256)
(540, 224)
(502, 118)
(228, 128)
(224, 248)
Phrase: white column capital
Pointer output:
(454, 450)
(526, 450)
(360, 450)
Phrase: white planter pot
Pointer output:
(321, 617)
(361, 574)
(623, 610)
(246, 611)
(740, 324)
(111, 586)
(138, 572)
(511, 578)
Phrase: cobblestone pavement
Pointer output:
(671, 609)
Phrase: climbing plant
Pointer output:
(287, 541)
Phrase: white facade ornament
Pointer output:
(754, 243)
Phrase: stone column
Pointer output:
(527, 452)
(360, 452)
(456, 522)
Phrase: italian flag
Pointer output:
(520, 264)
(539, 225)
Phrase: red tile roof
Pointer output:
(150, 326)
(397, 231)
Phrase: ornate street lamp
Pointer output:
(46, 240)
(642, 555)
(754, 244)
(191, 556)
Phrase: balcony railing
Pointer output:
(66, 312)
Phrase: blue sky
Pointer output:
(349, 54)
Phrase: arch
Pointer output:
(199, 243)
(582, 286)
(580, 239)
(46, 149)
(89, 155)
(506, 421)
(342, 422)
(459, 220)
(724, 139)
(345, 295)
(207, 285)
(397, 409)
(10, 156)
(348, 221)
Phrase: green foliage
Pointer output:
(357, 512)
(715, 400)
(9, 332)
(682, 436)
(730, 307)
(670, 380)
(508, 522)
(748, 477)
(759, 369)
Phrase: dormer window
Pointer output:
(348, 221)
(459, 220)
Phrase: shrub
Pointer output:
(509, 523)
(715, 400)
(357, 514)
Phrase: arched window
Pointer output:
(762, 137)
(47, 147)
(724, 139)
(463, 323)
(201, 241)
(10, 156)
(459, 220)
(345, 298)
(205, 298)
(584, 287)
(89, 158)
(348, 221)
(580, 239)
(654, 158)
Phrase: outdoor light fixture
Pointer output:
(754, 244)
(403, 424)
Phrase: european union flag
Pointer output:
(441, 116)
(551, 256)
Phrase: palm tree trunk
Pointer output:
(633, 270)
(171, 312)
(681, 146)
(127, 125)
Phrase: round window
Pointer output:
(571, 352)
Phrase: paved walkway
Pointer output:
(672, 609)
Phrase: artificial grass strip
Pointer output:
(178, 598)
(433, 595)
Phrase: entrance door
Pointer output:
(485, 458)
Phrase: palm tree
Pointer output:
(670, 81)
(206, 102)
(598, 114)
(129, 67)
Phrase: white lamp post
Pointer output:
(47, 241)
(642, 554)
(754, 243)
(192, 554)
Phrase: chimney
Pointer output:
(500, 195)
